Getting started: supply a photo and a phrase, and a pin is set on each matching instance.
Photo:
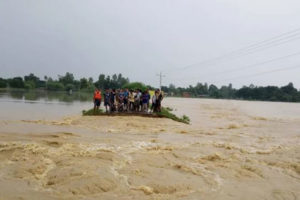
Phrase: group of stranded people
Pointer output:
(124, 100)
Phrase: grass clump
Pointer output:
(92, 112)
(169, 109)
(186, 118)
(167, 114)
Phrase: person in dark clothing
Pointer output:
(112, 100)
(159, 100)
(144, 100)
(154, 100)
(148, 99)
(107, 100)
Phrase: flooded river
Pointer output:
(41, 104)
(231, 150)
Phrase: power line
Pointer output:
(242, 53)
(272, 39)
(253, 48)
(247, 66)
(260, 63)
(266, 47)
(259, 74)
(262, 73)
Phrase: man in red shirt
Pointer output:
(97, 99)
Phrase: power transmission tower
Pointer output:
(160, 79)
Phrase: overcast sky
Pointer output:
(140, 38)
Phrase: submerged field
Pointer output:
(231, 150)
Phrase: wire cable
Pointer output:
(250, 49)
(261, 73)
(241, 54)
(247, 66)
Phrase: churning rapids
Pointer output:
(231, 150)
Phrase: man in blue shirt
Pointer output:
(126, 94)
(145, 101)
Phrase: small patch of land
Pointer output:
(165, 113)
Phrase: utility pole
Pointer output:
(160, 79)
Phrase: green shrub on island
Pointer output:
(186, 118)
(92, 112)
(169, 109)
(167, 114)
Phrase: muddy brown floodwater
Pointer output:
(231, 150)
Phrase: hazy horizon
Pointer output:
(141, 38)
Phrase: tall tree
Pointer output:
(68, 78)
(101, 81)
(83, 83)
(16, 82)
(3, 83)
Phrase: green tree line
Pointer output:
(65, 82)
(286, 93)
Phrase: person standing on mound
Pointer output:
(154, 99)
(125, 100)
(144, 99)
(131, 100)
(112, 100)
(107, 100)
(97, 99)
(159, 100)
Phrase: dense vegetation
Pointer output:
(286, 93)
(64, 83)
(67, 82)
